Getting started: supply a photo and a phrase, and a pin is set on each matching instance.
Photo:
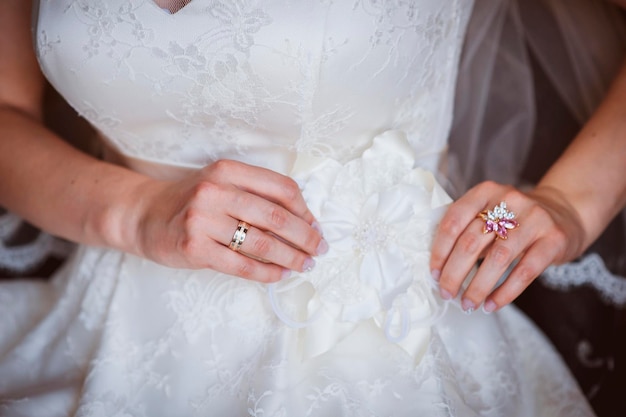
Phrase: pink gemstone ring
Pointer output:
(499, 221)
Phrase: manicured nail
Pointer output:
(445, 294)
(285, 274)
(322, 248)
(308, 265)
(468, 306)
(316, 226)
(489, 307)
(436, 274)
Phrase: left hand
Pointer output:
(550, 231)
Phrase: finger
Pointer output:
(267, 248)
(268, 216)
(259, 245)
(463, 257)
(536, 259)
(498, 258)
(265, 183)
(234, 263)
(455, 221)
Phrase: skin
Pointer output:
(559, 219)
(184, 224)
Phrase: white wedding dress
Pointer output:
(354, 100)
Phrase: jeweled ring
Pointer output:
(499, 221)
(239, 236)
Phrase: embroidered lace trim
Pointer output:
(590, 270)
(24, 258)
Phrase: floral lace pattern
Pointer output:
(221, 82)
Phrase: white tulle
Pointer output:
(579, 44)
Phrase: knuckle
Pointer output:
(191, 224)
(501, 255)
(290, 189)
(511, 194)
(278, 217)
(205, 190)
(221, 169)
(436, 255)
(245, 269)
(222, 166)
(541, 216)
(526, 273)
(261, 247)
(191, 218)
(488, 186)
(188, 246)
(450, 226)
(558, 237)
(469, 243)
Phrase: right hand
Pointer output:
(190, 223)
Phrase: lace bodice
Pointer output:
(248, 80)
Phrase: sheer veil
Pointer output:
(578, 44)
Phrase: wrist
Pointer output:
(116, 221)
(563, 210)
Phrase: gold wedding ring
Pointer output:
(239, 236)
(499, 220)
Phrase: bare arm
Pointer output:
(44, 179)
(186, 223)
(591, 174)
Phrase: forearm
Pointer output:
(591, 174)
(64, 191)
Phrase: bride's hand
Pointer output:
(549, 231)
(190, 223)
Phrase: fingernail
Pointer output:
(489, 307)
(316, 226)
(285, 274)
(308, 264)
(445, 294)
(322, 247)
(436, 274)
(468, 306)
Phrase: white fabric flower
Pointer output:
(378, 214)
